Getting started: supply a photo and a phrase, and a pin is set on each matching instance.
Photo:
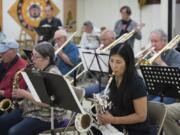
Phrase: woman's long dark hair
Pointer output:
(125, 51)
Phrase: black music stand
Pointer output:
(95, 61)
(54, 90)
(162, 81)
(46, 32)
(28, 54)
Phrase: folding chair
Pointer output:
(156, 114)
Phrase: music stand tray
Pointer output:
(162, 81)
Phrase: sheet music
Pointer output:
(90, 61)
(31, 87)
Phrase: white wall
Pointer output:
(176, 29)
(101, 13)
(10, 27)
(106, 13)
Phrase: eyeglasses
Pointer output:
(59, 38)
(36, 57)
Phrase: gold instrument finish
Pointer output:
(6, 104)
(16, 85)
(143, 54)
(124, 37)
(83, 122)
(170, 45)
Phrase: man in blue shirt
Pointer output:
(68, 57)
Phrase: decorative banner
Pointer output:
(1, 10)
(70, 12)
(28, 13)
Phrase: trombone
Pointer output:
(143, 54)
(121, 39)
(65, 43)
(124, 37)
(170, 45)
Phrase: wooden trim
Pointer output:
(70, 15)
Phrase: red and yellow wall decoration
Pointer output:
(28, 13)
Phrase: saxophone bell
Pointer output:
(83, 122)
(5, 104)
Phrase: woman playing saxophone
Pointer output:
(127, 94)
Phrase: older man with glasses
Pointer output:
(68, 57)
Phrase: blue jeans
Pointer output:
(166, 100)
(14, 124)
(95, 88)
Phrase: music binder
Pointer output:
(162, 81)
(43, 85)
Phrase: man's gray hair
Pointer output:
(161, 33)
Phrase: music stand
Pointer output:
(54, 90)
(95, 61)
(162, 81)
(46, 32)
(28, 54)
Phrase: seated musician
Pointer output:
(68, 57)
(32, 117)
(10, 64)
(107, 37)
(90, 38)
(127, 94)
(171, 126)
(171, 57)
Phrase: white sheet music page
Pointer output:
(31, 87)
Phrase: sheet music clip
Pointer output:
(162, 81)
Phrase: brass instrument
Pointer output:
(170, 45)
(124, 37)
(100, 102)
(143, 54)
(121, 39)
(16, 86)
(6, 103)
(65, 43)
(83, 122)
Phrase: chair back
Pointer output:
(156, 114)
